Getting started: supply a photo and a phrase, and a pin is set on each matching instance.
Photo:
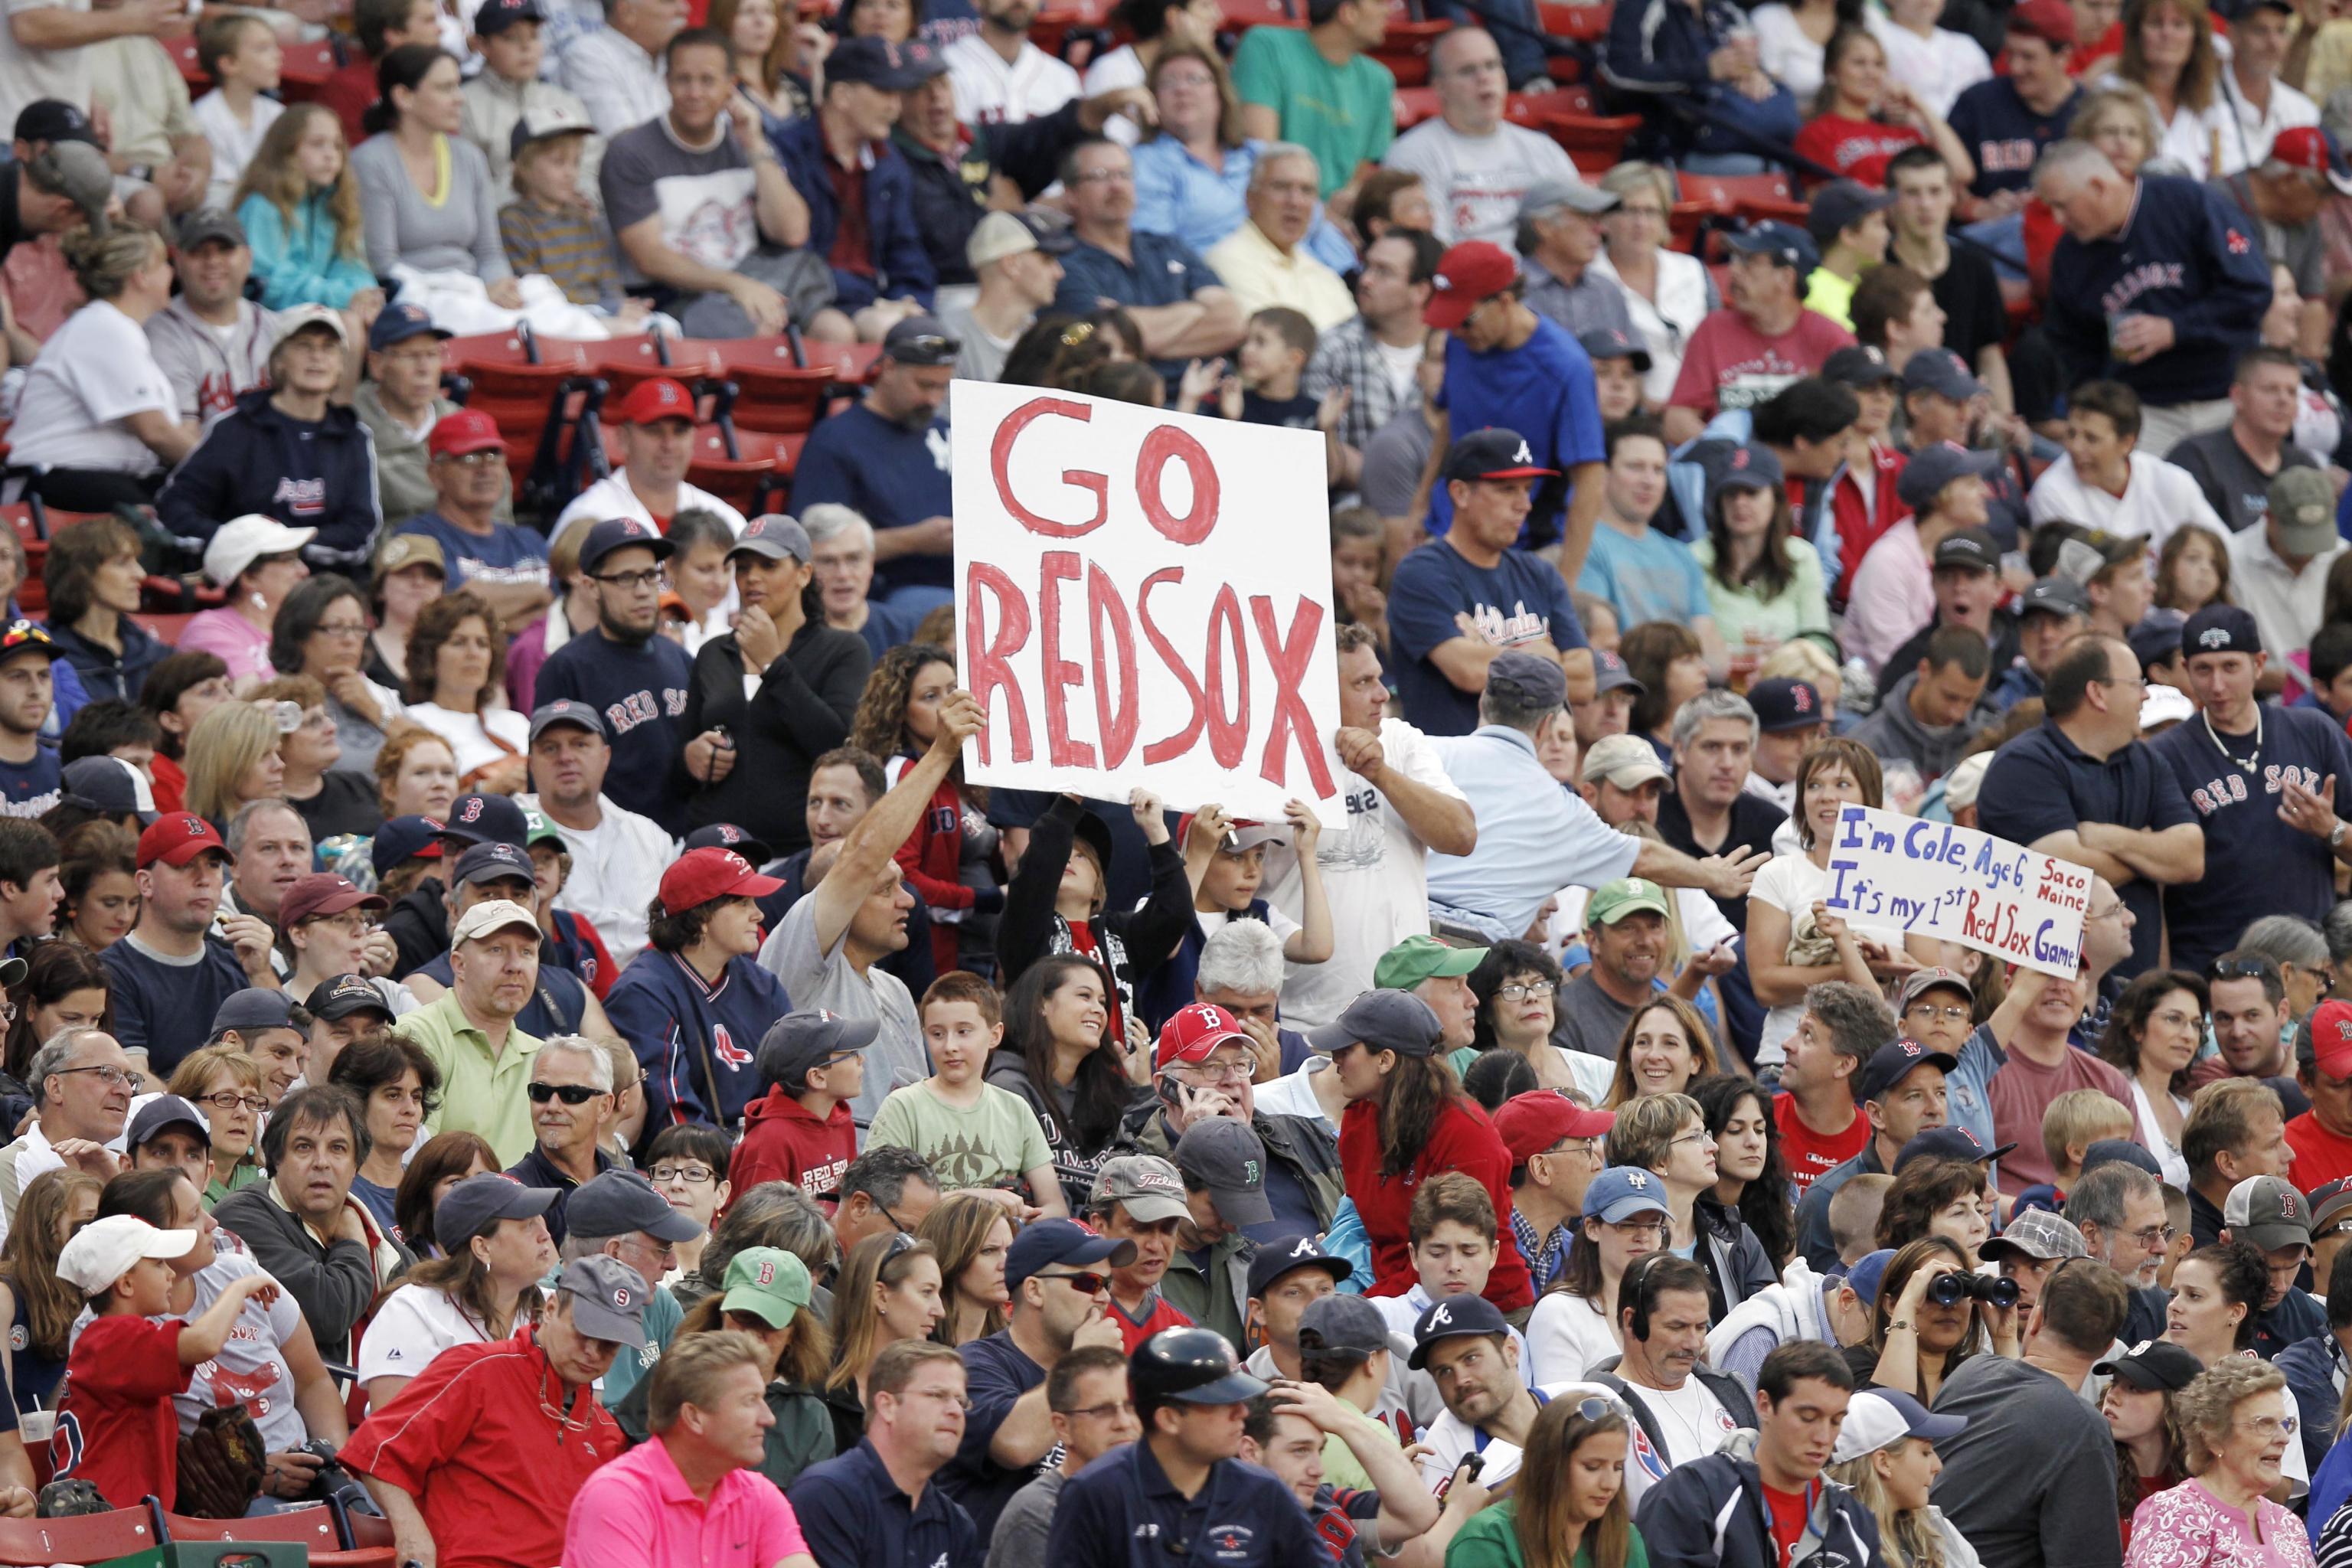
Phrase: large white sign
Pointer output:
(1959, 885)
(1143, 599)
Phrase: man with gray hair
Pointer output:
(269, 851)
(1265, 262)
(1559, 237)
(841, 553)
(1709, 810)
(2299, 945)
(1240, 970)
(1474, 163)
(1534, 837)
(618, 1214)
(2118, 1208)
(82, 1082)
(571, 1089)
(2158, 281)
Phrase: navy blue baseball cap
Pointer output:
(878, 63)
(403, 838)
(1784, 243)
(621, 533)
(488, 863)
(2221, 629)
(1858, 364)
(1783, 703)
(1493, 454)
(486, 819)
(726, 836)
(1455, 1317)
(398, 323)
(561, 711)
(1940, 370)
(1755, 468)
(1276, 1258)
(1947, 1143)
(1063, 1241)
(1932, 468)
(1615, 343)
(1840, 205)
(497, 15)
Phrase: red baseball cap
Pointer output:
(178, 838)
(2330, 1028)
(2052, 21)
(1467, 277)
(1195, 1032)
(699, 876)
(467, 430)
(2311, 147)
(1532, 1122)
(661, 398)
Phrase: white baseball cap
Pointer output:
(494, 916)
(2165, 705)
(103, 1250)
(243, 541)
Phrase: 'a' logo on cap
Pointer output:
(1305, 1248)
(1523, 454)
(1442, 1319)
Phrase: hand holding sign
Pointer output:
(1955, 884)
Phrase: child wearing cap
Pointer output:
(1227, 862)
(976, 1136)
(117, 1427)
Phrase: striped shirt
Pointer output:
(566, 246)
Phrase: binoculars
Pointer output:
(1951, 1288)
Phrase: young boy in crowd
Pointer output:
(1619, 363)
(1452, 1230)
(546, 228)
(1227, 862)
(240, 53)
(511, 37)
(2176, 1219)
(801, 1130)
(1854, 1215)
(976, 1137)
(2070, 1125)
(2330, 681)
(1272, 370)
(116, 1414)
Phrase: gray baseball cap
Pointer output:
(1550, 196)
(2038, 1234)
(622, 1202)
(1342, 1325)
(1529, 679)
(775, 536)
(608, 1296)
(1224, 1156)
(1395, 1021)
(77, 171)
(1150, 1186)
(800, 1041)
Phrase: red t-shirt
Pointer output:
(1789, 1511)
(2320, 1156)
(1731, 364)
(116, 1428)
(171, 783)
(1857, 149)
(1808, 1153)
(1161, 1316)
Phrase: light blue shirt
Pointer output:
(1534, 837)
(1968, 1087)
(1178, 195)
(1649, 578)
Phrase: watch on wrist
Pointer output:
(2336, 834)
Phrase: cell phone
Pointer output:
(726, 737)
(1473, 1464)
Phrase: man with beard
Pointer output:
(886, 459)
(637, 680)
(656, 424)
(170, 975)
(31, 778)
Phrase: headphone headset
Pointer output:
(1637, 1280)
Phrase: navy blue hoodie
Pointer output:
(255, 459)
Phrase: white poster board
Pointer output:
(1143, 599)
(1959, 885)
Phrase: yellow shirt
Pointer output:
(480, 1093)
(1260, 277)
(1833, 295)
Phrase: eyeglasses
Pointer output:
(2266, 1427)
(944, 1395)
(226, 1102)
(630, 581)
(692, 1175)
(1699, 1135)
(570, 1093)
(1084, 1284)
(2110, 912)
(341, 629)
(2153, 1236)
(1102, 1411)
(1933, 1014)
(1231, 1069)
(1634, 1229)
(1105, 177)
(1517, 993)
(113, 1077)
(2139, 680)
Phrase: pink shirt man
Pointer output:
(639, 1510)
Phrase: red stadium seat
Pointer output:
(627, 362)
(852, 363)
(182, 51)
(1241, 16)
(1578, 23)
(88, 1537)
(305, 70)
(311, 1527)
(735, 480)
(1413, 105)
(1404, 47)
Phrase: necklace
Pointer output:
(1687, 1423)
(2247, 762)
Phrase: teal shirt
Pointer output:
(297, 263)
(663, 1316)
(1345, 117)
(1491, 1539)
(1647, 578)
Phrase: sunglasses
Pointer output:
(570, 1093)
(1084, 1284)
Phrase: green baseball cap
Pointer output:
(768, 1282)
(537, 829)
(1420, 958)
(1627, 895)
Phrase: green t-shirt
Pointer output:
(993, 1144)
(1491, 1539)
(663, 1316)
(1345, 117)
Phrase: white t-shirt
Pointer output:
(1422, 1399)
(1692, 1420)
(413, 1325)
(1938, 69)
(470, 734)
(234, 145)
(1375, 879)
(1787, 55)
(28, 74)
(2157, 498)
(1449, 1440)
(95, 371)
(612, 864)
(1792, 884)
(1475, 183)
(1119, 69)
(612, 496)
(1568, 1336)
(2151, 1133)
(987, 91)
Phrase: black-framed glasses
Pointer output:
(570, 1093)
(644, 578)
(692, 1175)
(1520, 992)
(900, 1243)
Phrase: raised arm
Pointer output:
(873, 844)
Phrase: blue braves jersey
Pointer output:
(2186, 254)
(698, 1044)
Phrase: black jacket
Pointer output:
(1711, 1513)
(419, 927)
(807, 700)
(1127, 946)
(255, 459)
(951, 191)
(104, 673)
(1736, 1265)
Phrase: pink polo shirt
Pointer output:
(639, 1510)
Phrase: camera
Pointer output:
(1951, 1288)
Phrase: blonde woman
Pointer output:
(1668, 292)
(1887, 1453)
(232, 758)
(226, 1084)
(2169, 54)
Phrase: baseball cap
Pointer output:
(302, 318)
(1947, 1143)
(800, 1042)
(1152, 1188)
(776, 536)
(2302, 504)
(1550, 194)
(490, 863)
(1923, 981)
(2327, 1200)
(2120, 1151)
(2052, 21)
(2324, 1038)
(1390, 1018)
(401, 838)
(608, 1296)
(254, 1009)
(1614, 342)
(1340, 1325)
(1967, 549)
(1781, 703)
(402, 551)
(699, 876)
(1003, 234)
(1420, 958)
(1193, 1032)
(711, 836)
(1613, 901)
(621, 533)
(649, 401)
(28, 637)
(1891, 1063)
(1047, 1242)
(2053, 596)
(243, 541)
(486, 919)
(1966, 780)
(462, 432)
(1932, 468)
(1746, 468)
(109, 786)
(922, 340)
(768, 1282)
(892, 68)
(1840, 205)
(1611, 673)
(563, 710)
(617, 1203)
(1275, 1258)
(545, 123)
(2153, 1364)
(1531, 1123)
(2313, 148)
(340, 995)
(2157, 638)
(1784, 243)
(1876, 1417)
(177, 838)
(1628, 761)
(475, 1203)
(210, 225)
(398, 323)
(102, 1251)
(1528, 680)
(1942, 372)
(2267, 1211)
(321, 893)
(1859, 365)
(497, 15)
(1621, 1192)
(54, 120)
(1467, 275)
(77, 171)
(2224, 628)
(1869, 1271)
(156, 1111)
(1229, 1159)
(2036, 1234)
(1454, 1318)
(1493, 453)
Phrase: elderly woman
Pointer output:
(841, 544)
(97, 418)
(2237, 1421)
(93, 578)
(1668, 292)
(321, 631)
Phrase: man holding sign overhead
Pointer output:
(2271, 787)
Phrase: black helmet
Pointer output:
(1190, 1366)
